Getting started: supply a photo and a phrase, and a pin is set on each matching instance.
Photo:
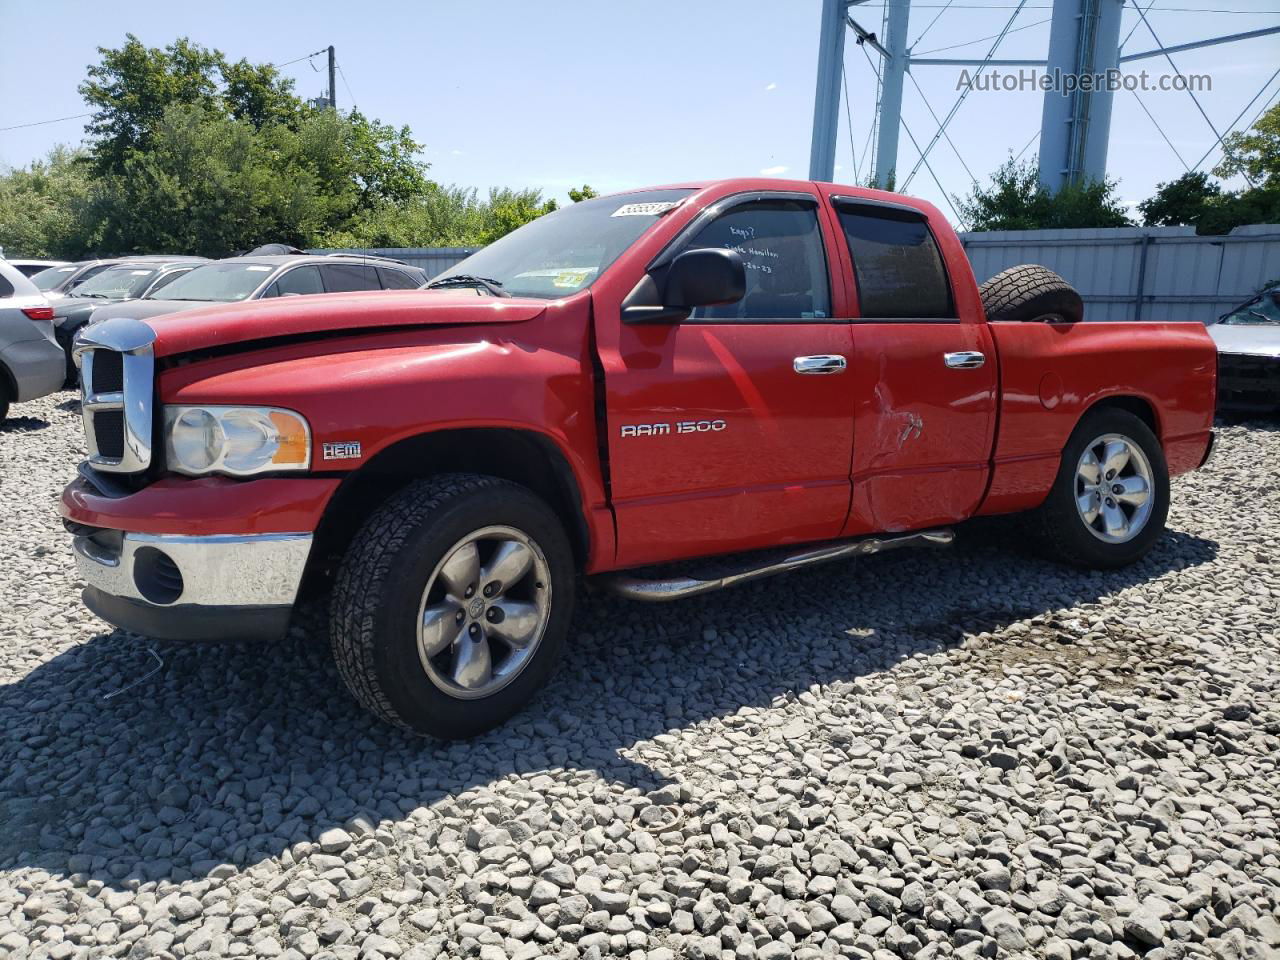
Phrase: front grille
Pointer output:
(117, 377)
(108, 431)
(108, 371)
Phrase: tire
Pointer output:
(66, 339)
(1062, 528)
(4, 398)
(1030, 293)
(393, 575)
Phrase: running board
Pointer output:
(679, 587)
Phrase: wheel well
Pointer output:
(520, 456)
(1140, 408)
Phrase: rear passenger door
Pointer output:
(297, 282)
(924, 378)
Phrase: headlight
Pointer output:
(239, 441)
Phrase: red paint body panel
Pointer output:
(1170, 366)
(897, 442)
(205, 506)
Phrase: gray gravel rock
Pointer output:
(962, 753)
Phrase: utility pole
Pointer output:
(333, 90)
(895, 69)
(826, 97)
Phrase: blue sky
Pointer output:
(614, 94)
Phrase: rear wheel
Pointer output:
(4, 400)
(453, 604)
(1110, 501)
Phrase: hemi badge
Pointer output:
(345, 450)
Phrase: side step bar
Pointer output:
(679, 587)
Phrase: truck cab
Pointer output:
(782, 371)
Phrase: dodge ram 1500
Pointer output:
(788, 372)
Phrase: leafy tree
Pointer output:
(509, 209)
(1180, 202)
(257, 93)
(133, 86)
(44, 207)
(1255, 153)
(585, 193)
(1016, 200)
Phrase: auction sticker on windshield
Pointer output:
(651, 209)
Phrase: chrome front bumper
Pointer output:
(182, 587)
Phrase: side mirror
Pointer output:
(705, 278)
(696, 278)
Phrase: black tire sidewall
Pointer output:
(418, 701)
(1064, 529)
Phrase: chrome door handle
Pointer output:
(964, 359)
(822, 363)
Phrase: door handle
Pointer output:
(822, 363)
(964, 359)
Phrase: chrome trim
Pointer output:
(676, 588)
(218, 571)
(964, 359)
(133, 339)
(819, 364)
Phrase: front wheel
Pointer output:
(452, 605)
(1110, 501)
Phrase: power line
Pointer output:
(289, 63)
(931, 23)
(936, 182)
(344, 82)
(970, 43)
(848, 119)
(1025, 146)
(1233, 123)
(963, 94)
(928, 106)
(1161, 130)
(41, 123)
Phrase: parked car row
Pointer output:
(66, 298)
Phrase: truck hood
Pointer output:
(76, 310)
(145, 309)
(1252, 339)
(222, 324)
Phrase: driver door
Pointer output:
(733, 429)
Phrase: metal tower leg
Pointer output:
(826, 99)
(895, 68)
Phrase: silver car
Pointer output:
(1248, 340)
(31, 363)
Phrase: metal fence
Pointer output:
(1125, 273)
(1141, 273)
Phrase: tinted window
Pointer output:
(224, 281)
(6, 288)
(896, 264)
(397, 279)
(47, 280)
(167, 279)
(299, 280)
(345, 277)
(781, 246)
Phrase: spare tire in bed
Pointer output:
(1030, 293)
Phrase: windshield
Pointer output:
(117, 283)
(1263, 309)
(224, 282)
(46, 280)
(565, 251)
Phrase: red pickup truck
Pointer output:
(788, 372)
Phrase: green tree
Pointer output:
(257, 93)
(1016, 200)
(1255, 153)
(1181, 202)
(44, 207)
(584, 193)
(130, 89)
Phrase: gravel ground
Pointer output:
(965, 752)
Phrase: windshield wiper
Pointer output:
(470, 280)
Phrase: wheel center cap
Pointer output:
(475, 608)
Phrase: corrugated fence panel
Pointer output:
(1155, 273)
